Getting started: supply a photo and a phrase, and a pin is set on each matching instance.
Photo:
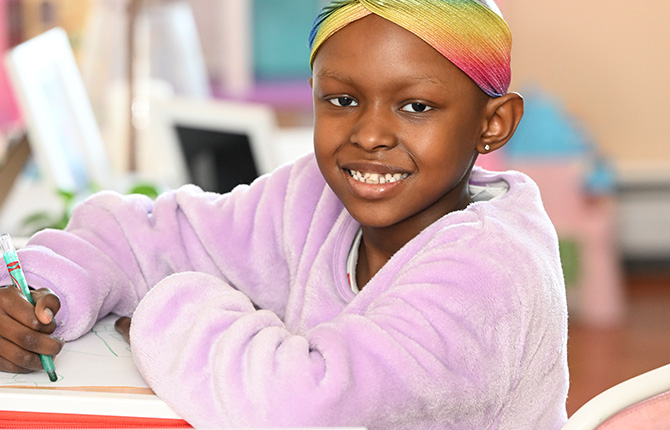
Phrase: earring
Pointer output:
(487, 147)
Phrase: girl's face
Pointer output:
(396, 125)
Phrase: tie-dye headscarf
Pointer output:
(472, 34)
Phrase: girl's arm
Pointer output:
(116, 248)
(410, 359)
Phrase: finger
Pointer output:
(47, 305)
(122, 325)
(9, 367)
(14, 304)
(27, 339)
(17, 360)
(44, 315)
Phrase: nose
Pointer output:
(374, 129)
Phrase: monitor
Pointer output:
(62, 130)
(214, 144)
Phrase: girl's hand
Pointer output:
(25, 329)
(122, 325)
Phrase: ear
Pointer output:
(502, 117)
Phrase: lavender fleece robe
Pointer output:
(243, 315)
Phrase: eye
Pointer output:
(416, 107)
(343, 101)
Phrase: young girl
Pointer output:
(380, 282)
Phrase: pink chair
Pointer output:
(596, 297)
(642, 402)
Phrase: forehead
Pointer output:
(378, 49)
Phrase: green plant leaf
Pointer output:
(43, 219)
(145, 189)
(37, 218)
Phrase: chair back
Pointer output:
(652, 413)
(642, 402)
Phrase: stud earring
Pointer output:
(487, 148)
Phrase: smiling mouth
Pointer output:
(376, 178)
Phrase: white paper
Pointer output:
(100, 358)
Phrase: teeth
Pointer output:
(376, 178)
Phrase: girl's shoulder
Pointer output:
(509, 217)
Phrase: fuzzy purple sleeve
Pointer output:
(451, 334)
(220, 363)
(116, 248)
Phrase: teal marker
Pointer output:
(19, 281)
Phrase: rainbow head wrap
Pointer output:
(472, 34)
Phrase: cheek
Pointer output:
(322, 141)
(441, 145)
(329, 135)
(325, 147)
(445, 154)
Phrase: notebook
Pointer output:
(96, 376)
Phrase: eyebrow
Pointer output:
(329, 74)
(430, 78)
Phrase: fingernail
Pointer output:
(49, 313)
(59, 339)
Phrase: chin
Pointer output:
(374, 222)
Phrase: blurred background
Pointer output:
(145, 95)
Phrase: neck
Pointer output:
(378, 245)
